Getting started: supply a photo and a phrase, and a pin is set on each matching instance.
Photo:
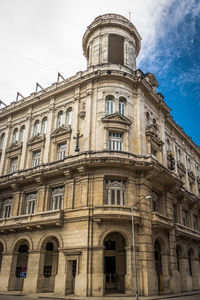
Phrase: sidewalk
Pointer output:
(110, 297)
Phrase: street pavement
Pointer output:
(72, 297)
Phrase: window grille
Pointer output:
(36, 158)
(61, 151)
(6, 208)
(115, 192)
(30, 201)
(57, 196)
(47, 271)
(115, 141)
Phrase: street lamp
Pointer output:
(134, 250)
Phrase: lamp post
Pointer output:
(134, 250)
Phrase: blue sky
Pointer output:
(176, 63)
(39, 38)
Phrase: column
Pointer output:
(5, 271)
(165, 272)
(129, 277)
(60, 279)
(50, 126)
(195, 273)
(31, 282)
(186, 279)
(97, 276)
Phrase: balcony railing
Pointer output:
(33, 221)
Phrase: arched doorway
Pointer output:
(48, 265)
(114, 263)
(158, 264)
(21, 265)
(190, 255)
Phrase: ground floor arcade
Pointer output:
(100, 262)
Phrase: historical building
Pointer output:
(74, 158)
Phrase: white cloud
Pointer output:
(40, 37)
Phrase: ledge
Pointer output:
(114, 212)
(34, 221)
(160, 220)
(186, 231)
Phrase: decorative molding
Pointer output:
(116, 118)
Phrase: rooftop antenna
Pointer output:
(19, 94)
(1, 102)
(129, 15)
(60, 76)
(38, 86)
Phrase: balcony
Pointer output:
(34, 221)
(161, 221)
(182, 230)
(114, 212)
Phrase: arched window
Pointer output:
(109, 104)
(122, 101)
(15, 135)
(188, 163)
(36, 128)
(21, 135)
(44, 125)
(179, 155)
(2, 140)
(60, 119)
(69, 116)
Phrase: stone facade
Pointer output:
(65, 214)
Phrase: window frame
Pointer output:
(36, 158)
(115, 192)
(115, 140)
(6, 208)
(30, 203)
(57, 198)
(61, 152)
(13, 166)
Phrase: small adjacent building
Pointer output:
(74, 158)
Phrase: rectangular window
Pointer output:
(61, 148)
(184, 214)
(36, 158)
(30, 202)
(115, 192)
(6, 208)
(115, 141)
(13, 164)
(57, 196)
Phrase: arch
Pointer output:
(3, 242)
(163, 241)
(127, 236)
(19, 240)
(47, 237)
